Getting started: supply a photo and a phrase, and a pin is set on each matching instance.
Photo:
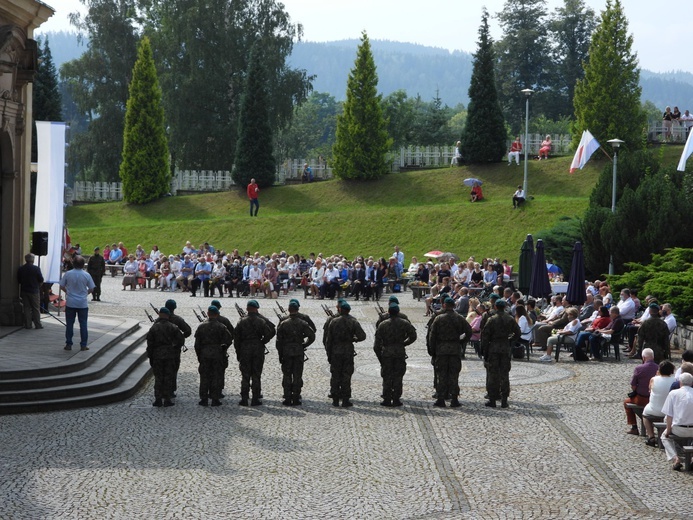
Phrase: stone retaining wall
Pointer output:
(683, 337)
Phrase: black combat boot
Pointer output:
(216, 402)
(346, 403)
(244, 400)
(440, 403)
(335, 401)
(396, 402)
(286, 402)
(203, 402)
(504, 402)
(255, 402)
(157, 402)
(491, 403)
(168, 402)
(455, 403)
(386, 402)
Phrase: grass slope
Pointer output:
(419, 211)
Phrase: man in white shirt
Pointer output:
(627, 306)
(518, 197)
(687, 119)
(331, 285)
(678, 411)
(668, 316)
(399, 256)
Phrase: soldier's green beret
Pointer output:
(344, 305)
(494, 296)
(449, 301)
(654, 306)
(216, 303)
(294, 302)
(165, 311)
(212, 309)
(253, 303)
(171, 304)
(341, 301)
(393, 299)
(500, 303)
(393, 307)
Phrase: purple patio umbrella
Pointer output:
(525, 267)
(540, 287)
(576, 282)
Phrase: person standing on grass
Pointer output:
(253, 191)
(77, 284)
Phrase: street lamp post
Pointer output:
(527, 92)
(615, 143)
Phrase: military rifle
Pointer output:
(328, 311)
(279, 315)
(380, 307)
(282, 309)
(151, 318)
(199, 318)
(241, 312)
(202, 311)
(154, 308)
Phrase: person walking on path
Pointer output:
(77, 284)
(164, 341)
(96, 267)
(253, 191)
(30, 279)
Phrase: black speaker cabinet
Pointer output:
(39, 243)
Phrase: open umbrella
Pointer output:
(525, 267)
(553, 268)
(576, 282)
(448, 256)
(540, 287)
(434, 254)
(472, 181)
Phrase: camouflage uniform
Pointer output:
(654, 333)
(382, 316)
(305, 318)
(293, 336)
(447, 347)
(212, 339)
(226, 323)
(251, 335)
(187, 331)
(496, 338)
(391, 338)
(342, 333)
(164, 341)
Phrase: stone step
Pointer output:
(75, 384)
(123, 384)
(73, 361)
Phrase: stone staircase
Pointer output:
(114, 368)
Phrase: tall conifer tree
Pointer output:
(254, 149)
(144, 169)
(362, 140)
(607, 100)
(484, 136)
(47, 101)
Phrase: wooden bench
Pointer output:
(115, 269)
(419, 291)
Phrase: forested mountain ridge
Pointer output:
(417, 69)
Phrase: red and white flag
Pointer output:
(588, 145)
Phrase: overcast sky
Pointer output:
(661, 29)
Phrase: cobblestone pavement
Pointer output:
(560, 450)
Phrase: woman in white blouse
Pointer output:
(569, 333)
(317, 275)
(659, 390)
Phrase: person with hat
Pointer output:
(294, 336)
(304, 317)
(227, 323)
(185, 329)
(96, 267)
(448, 336)
(212, 340)
(654, 333)
(386, 315)
(392, 336)
(164, 341)
(343, 331)
(251, 335)
(500, 332)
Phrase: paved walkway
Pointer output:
(560, 450)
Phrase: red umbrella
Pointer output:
(434, 254)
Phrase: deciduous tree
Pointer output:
(362, 140)
(144, 169)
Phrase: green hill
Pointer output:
(419, 211)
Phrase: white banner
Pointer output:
(50, 194)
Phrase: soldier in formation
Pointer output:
(304, 317)
(227, 323)
(382, 316)
(391, 339)
(184, 328)
(342, 332)
(164, 341)
(654, 333)
(497, 336)
(212, 340)
(294, 336)
(251, 335)
(448, 335)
